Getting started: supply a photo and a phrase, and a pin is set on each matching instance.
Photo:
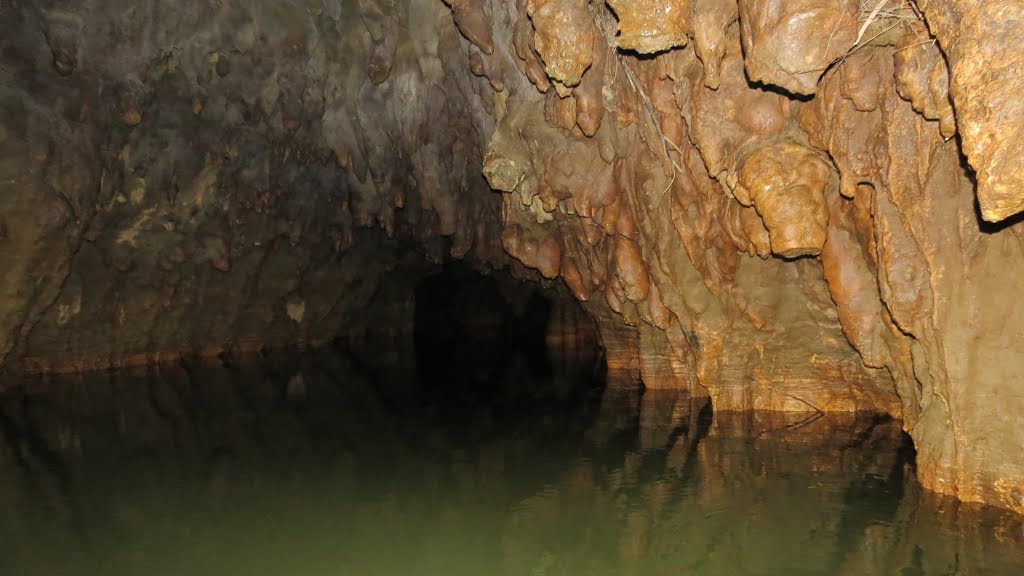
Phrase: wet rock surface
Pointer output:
(794, 211)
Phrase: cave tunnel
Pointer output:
(492, 287)
(476, 335)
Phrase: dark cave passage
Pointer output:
(483, 338)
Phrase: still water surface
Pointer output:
(331, 465)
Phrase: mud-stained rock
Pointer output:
(522, 42)
(923, 78)
(853, 286)
(629, 270)
(589, 94)
(790, 44)
(473, 22)
(985, 46)
(650, 26)
(711, 22)
(786, 182)
(735, 115)
(564, 37)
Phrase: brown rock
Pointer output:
(522, 42)
(736, 115)
(785, 182)
(790, 43)
(650, 26)
(986, 56)
(564, 37)
(629, 270)
(341, 151)
(711, 22)
(589, 94)
(473, 22)
(533, 248)
(922, 77)
(854, 288)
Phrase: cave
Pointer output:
(521, 286)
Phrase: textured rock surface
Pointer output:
(234, 175)
(781, 214)
(786, 183)
(790, 43)
(789, 253)
(649, 26)
(985, 45)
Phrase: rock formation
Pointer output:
(181, 177)
(795, 206)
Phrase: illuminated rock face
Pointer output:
(787, 213)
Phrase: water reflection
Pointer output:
(332, 464)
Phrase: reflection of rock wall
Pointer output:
(756, 493)
(774, 186)
(275, 465)
(215, 468)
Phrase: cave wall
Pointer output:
(182, 177)
(793, 206)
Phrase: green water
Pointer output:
(328, 465)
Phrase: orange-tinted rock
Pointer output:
(985, 46)
(785, 182)
(922, 77)
(711, 22)
(649, 26)
(589, 94)
(844, 120)
(600, 191)
(726, 120)
(564, 37)
(574, 279)
(522, 42)
(630, 270)
(560, 112)
(535, 250)
(747, 231)
(790, 43)
(655, 312)
(473, 22)
(854, 288)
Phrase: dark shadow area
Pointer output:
(490, 340)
